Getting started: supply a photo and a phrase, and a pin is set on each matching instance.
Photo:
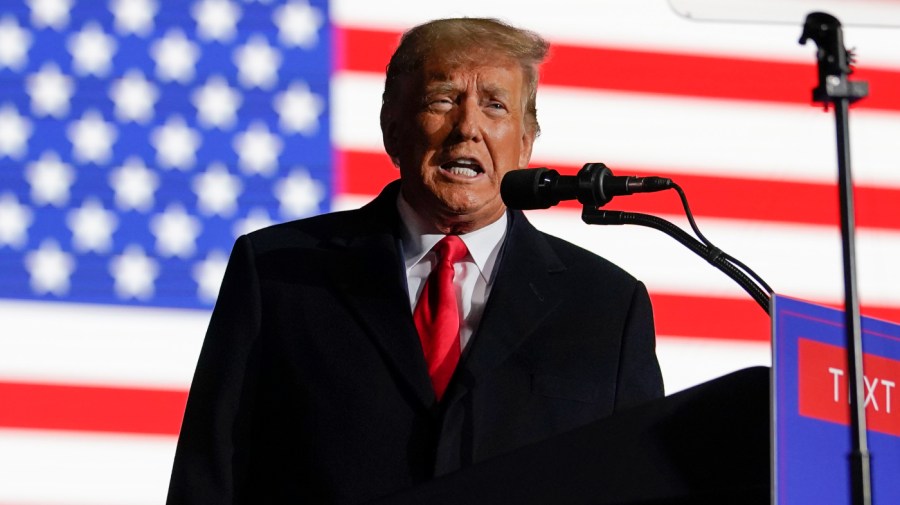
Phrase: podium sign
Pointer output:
(812, 438)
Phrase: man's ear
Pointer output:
(390, 138)
(390, 134)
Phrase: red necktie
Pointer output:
(437, 314)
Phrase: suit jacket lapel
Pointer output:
(371, 277)
(523, 294)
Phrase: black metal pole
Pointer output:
(836, 89)
(859, 455)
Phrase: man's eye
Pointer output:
(441, 104)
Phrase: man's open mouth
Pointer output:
(465, 167)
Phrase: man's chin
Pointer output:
(470, 217)
(459, 203)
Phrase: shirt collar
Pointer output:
(418, 239)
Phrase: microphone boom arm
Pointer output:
(715, 256)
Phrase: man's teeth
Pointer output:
(463, 167)
(468, 172)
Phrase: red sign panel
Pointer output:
(824, 380)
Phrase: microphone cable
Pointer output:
(749, 280)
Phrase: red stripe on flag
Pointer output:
(96, 409)
(681, 315)
(159, 412)
(652, 72)
(365, 50)
(365, 173)
(766, 200)
(703, 76)
(708, 317)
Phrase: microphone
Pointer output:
(595, 185)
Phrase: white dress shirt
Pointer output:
(473, 275)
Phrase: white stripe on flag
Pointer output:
(708, 359)
(797, 260)
(711, 137)
(800, 261)
(65, 343)
(52, 467)
(637, 24)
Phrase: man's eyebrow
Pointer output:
(441, 86)
(447, 86)
(495, 90)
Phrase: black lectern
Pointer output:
(705, 445)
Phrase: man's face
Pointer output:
(462, 129)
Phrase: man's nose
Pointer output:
(468, 119)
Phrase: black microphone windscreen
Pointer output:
(521, 189)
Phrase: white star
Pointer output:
(257, 63)
(208, 274)
(134, 273)
(257, 149)
(14, 221)
(14, 43)
(175, 56)
(50, 268)
(256, 219)
(50, 13)
(92, 226)
(92, 138)
(92, 50)
(176, 144)
(50, 180)
(299, 109)
(298, 24)
(217, 191)
(14, 132)
(216, 19)
(134, 97)
(176, 231)
(299, 194)
(134, 185)
(216, 103)
(134, 16)
(50, 91)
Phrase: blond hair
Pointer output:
(458, 41)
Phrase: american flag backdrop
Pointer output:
(139, 138)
